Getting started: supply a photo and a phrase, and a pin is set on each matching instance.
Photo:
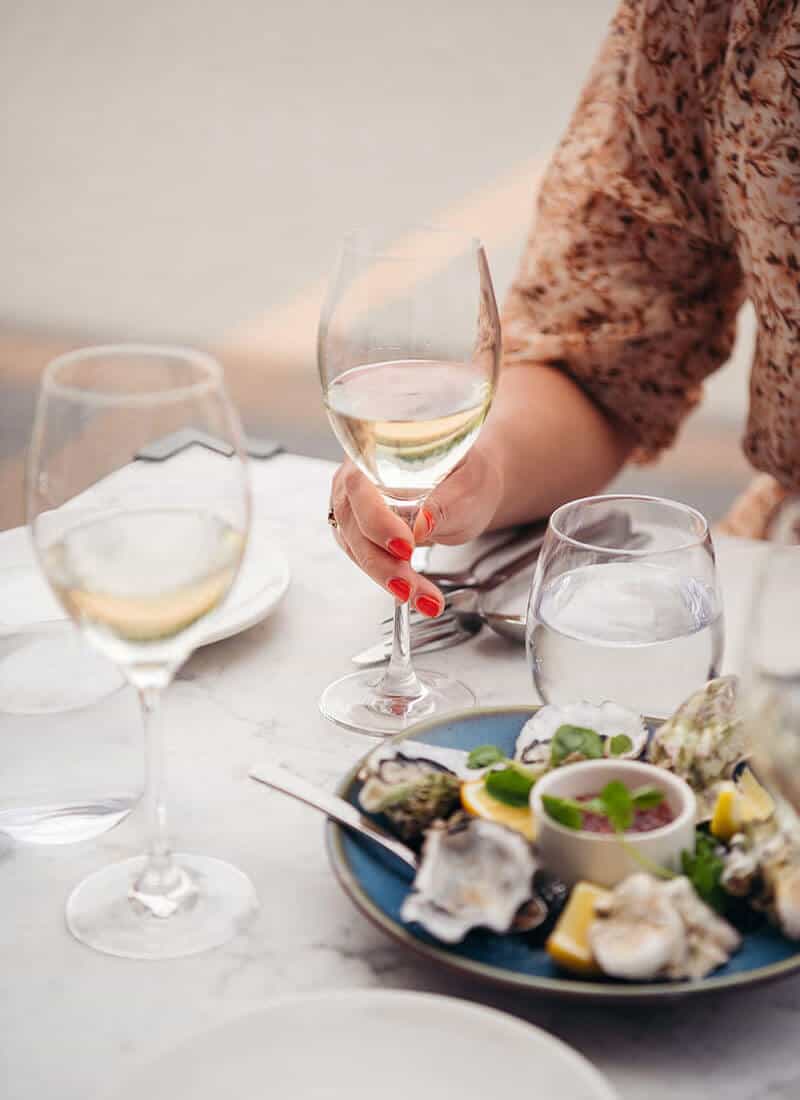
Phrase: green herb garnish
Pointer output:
(614, 802)
(575, 740)
(511, 785)
(619, 744)
(484, 755)
(704, 871)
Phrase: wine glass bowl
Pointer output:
(625, 604)
(137, 568)
(409, 350)
(771, 678)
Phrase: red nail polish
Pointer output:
(400, 548)
(428, 521)
(399, 588)
(428, 606)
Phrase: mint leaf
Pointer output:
(619, 744)
(511, 785)
(563, 810)
(704, 871)
(569, 740)
(618, 804)
(645, 798)
(484, 755)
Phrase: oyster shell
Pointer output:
(412, 792)
(606, 719)
(473, 873)
(703, 741)
(763, 866)
(648, 928)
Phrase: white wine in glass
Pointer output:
(409, 349)
(137, 569)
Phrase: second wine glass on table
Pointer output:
(137, 567)
(409, 349)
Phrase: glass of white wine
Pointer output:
(771, 678)
(409, 350)
(137, 562)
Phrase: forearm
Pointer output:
(550, 442)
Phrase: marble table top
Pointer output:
(73, 1023)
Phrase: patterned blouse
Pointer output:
(673, 197)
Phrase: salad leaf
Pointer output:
(511, 785)
(619, 744)
(484, 755)
(646, 798)
(568, 740)
(618, 803)
(563, 810)
(704, 871)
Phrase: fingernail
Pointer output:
(428, 606)
(399, 588)
(401, 549)
(426, 515)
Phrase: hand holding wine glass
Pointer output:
(409, 349)
(137, 570)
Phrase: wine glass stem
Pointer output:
(400, 678)
(162, 887)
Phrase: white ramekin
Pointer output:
(577, 856)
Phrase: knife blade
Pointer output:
(382, 651)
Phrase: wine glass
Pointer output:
(625, 604)
(771, 678)
(409, 349)
(137, 562)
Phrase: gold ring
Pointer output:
(332, 518)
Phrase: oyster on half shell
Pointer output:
(411, 791)
(609, 719)
(648, 928)
(473, 873)
(703, 741)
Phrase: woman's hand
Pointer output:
(380, 542)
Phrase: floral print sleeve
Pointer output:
(631, 279)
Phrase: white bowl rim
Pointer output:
(669, 779)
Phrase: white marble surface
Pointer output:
(74, 1023)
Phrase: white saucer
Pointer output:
(28, 605)
(364, 1044)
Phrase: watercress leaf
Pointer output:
(645, 798)
(704, 870)
(618, 804)
(594, 806)
(569, 740)
(510, 785)
(563, 811)
(619, 744)
(484, 755)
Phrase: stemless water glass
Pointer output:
(137, 564)
(771, 679)
(625, 604)
(409, 349)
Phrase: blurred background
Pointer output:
(183, 171)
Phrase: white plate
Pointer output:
(370, 1045)
(27, 604)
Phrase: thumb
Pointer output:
(463, 505)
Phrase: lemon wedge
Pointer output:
(477, 801)
(740, 803)
(568, 943)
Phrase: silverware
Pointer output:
(468, 577)
(332, 806)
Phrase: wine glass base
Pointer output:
(355, 703)
(101, 915)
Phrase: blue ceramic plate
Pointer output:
(377, 884)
